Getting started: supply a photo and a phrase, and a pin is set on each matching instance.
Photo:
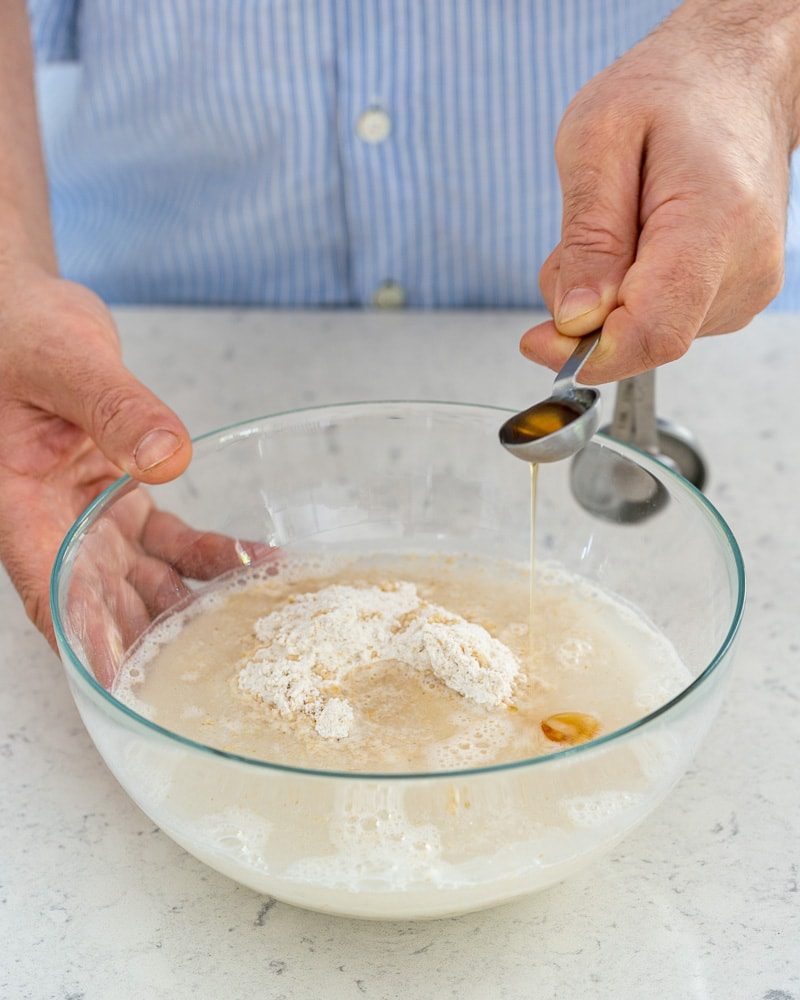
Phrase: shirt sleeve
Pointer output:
(54, 29)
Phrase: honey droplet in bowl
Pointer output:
(570, 727)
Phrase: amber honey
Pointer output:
(570, 727)
(540, 420)
(532, 571)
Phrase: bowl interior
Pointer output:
(385, 477)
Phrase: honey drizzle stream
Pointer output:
(532, 583)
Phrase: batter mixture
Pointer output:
(399, 663)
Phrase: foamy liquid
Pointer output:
(587, 653)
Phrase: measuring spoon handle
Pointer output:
(635, 412)
(565, 380)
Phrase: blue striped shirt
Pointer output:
(317, 152)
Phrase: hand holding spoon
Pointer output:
(562, 424)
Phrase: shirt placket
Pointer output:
(369, 129)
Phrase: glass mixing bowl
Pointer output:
(392, 477)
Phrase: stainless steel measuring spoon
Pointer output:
(618, 490)
(563, 423)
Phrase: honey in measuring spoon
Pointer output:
(542, 419)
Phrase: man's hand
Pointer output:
(674, 165)
(72, 418)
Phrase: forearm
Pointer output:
(760, 38)
(25, 233)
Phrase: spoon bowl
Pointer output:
(554, 429)
(561, 425)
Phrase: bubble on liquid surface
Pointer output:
(376, 841)
(601, 808)
(574, 653)
(474, 745)
(149, 771)
(236, 832)
(666, 677)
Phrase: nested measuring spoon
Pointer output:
(618, 489)
(562, 424)
(606, 484)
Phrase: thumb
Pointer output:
(600, 183)
(128, 423)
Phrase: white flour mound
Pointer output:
(314, 640)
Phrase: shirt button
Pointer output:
(389, 295)
(373, 126)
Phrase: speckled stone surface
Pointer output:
(701, 902)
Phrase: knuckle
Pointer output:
(768, 290)
(756, 280)
(773, 287)
(86, 331)
(772, 256)
(585, 235)
(602, 120)
(577, 140)
(591, 124)
(665, 343)
(111, 407)
(566, 140)
(742, 197)
(547, 277)
(82, 311)
(672, 306)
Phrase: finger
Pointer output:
(547, 279)
(747, 289)
(103, 618)
(127, 611)
(599, 167)
(665, 297)
(91, 629)
(198, 555)
(90, 387)
(158, 585)
(135, 524)
(546, 346)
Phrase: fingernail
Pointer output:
(260, 550)
(154, 448)
(576, 303)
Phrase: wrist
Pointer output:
(759, 40)
(24, 245)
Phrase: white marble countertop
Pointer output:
(701, 902)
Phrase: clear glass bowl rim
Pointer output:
(647, 461)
